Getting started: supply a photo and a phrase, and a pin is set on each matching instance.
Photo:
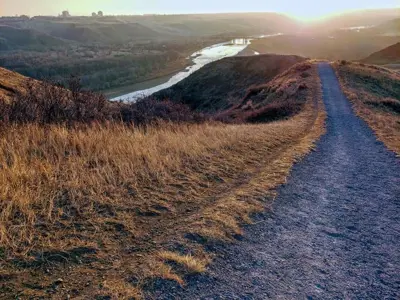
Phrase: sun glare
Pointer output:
(306, 10)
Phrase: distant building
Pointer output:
(14, 19)
(65, 14)
(100, 13)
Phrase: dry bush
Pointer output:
(47, 103)
(375, 94)
(281, 98)
(274, 111)
(149, 111)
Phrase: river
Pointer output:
(199, 59)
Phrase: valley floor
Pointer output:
(332, 233)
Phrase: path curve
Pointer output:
(334, 232)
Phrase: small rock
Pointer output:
(59, 281)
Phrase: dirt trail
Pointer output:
(334, 232)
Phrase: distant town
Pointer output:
(63, 14)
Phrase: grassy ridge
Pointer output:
(223, 84)
(331, 46)
(101, 209)
(10, 83)
(389, 55)
(375, 94)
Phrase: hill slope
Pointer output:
(102, 33)
(12, 38)
(389, 55)
(223, 84)
(125, 28)
(103, 210)
(375, 93)
(389, 28)
(368, 17)
(10, 82)
(341, 45)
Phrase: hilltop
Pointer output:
(388, 28)
(349, 45)
(124, 29)
(389, 55)
(224, 84)
(364, 18)
(94, 207)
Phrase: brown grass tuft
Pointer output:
(189, 262)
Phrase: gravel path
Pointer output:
(334, 232)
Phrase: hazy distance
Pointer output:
(304, 10)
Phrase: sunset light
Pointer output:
(199, 149)
(304, 10)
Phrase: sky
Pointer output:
(304, 9)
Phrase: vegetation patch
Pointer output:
(98, 207)
(375, 94)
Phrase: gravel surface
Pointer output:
(333, 233)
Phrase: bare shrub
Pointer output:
(148, 111)
(47, 103)
(275, 111)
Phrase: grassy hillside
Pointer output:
(100, 209)
(10, 82)
(102, 33)
(14, 38)
(389, 28)
(389, 55)
(106, 67)
(369, 17)
(223, 84)
(375, 93)
(77, 31)
(115, 52)
(123, 29)
(339, 45)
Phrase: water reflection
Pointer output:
(243, 41)
(199, 59)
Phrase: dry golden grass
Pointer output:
(108, 207)
(188, 261)
(375, 94)
(10, 82)
(118, 289)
